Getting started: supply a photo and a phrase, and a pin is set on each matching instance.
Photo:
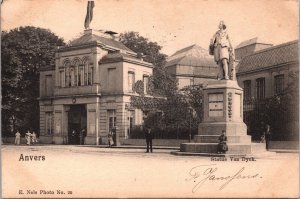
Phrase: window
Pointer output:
(278, 84)
(112, 119)
(72, 77)
(260, 88)
(62, 78)
(67, 74)
(130, 122)
(81, 76)
(131, 80)
(49, 123)
(49, 85)
(111, 79)
(247, 90)
(86, 70)
(146, 84)
(90, 75)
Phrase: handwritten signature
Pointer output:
(203, 173)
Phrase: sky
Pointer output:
(173, 24)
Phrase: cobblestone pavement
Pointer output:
(79, 171)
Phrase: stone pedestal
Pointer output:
(223, 110)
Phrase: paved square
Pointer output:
(74, 171)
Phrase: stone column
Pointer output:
(60, 131)
(92, 137)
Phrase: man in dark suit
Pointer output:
(148, 135)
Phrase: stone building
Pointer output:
(90, 88)
(192, 65)
(264, 73)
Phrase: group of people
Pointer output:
(31, 138)
(78, 137)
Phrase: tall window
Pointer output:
(62, 78)
(130, 81)
(76, 73)
(72, 76)
(81, 76)
(67, 74)
(86, 68)
(278, 84)
(260, 88)
(49, 123)
(49, 85)
(247, 89)
(146, 84)
(111, 79)
(90, 75)
(130, 122)
(112, 118)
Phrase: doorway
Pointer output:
(76, 122)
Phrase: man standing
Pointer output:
(18, 138)
(149, 139)
(267, 136)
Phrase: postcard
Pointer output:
(149, 99)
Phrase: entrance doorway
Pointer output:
(76, 122)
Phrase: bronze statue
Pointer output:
(221, 48)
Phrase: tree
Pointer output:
(169, 110)
(162, 82)
(24, 51)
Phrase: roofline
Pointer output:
(93, 44)
(266, 68)
(272, 47)
(128, 60)
(254, 44)
(182, 49)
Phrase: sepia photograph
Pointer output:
(150, 99)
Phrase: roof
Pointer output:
(120, 57)
(193, 55)
(255, 40)
(276, 55)
(91, 37)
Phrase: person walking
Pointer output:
(222, 146)
(28, 137)
(267, 136)
(18, 138)
(149, 138)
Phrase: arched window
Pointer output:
(76, 65)
(88, 71)
(67, 74)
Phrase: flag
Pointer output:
(89, 14)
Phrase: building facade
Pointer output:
(192, 65)
(90, 88)
(264, 73)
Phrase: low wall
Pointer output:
(155, 142)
